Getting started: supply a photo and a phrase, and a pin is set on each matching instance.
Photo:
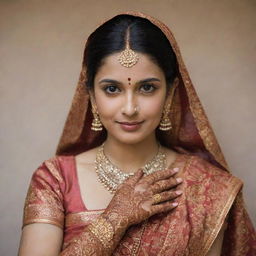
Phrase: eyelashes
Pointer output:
(147, 88)
(111, 89)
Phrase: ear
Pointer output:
(170, 92)
(92, 99)
(175, 82)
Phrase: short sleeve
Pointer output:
(44, 201)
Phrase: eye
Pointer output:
(111, 89)
(147, 88)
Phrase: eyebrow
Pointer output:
(151, 79)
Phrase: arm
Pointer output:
(43, 239)
(43, 217)
(99, 238)
(131, 204)
(40, 239)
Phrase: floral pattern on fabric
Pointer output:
(44, 201)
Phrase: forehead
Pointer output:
(145, 67)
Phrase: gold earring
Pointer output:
(165, 123)
(96, 123)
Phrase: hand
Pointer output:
(134, 202)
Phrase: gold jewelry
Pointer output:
(128, 57)
(103, 230)
(165, 122)
(111, 176)
(96, 123)
(156, 198)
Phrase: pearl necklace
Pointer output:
(111, 176)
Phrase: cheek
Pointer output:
(107, 107)
(153, 107)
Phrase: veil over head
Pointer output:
(191, 134)
(191, 129)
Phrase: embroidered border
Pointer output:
(235, 187)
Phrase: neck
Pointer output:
(130, 157)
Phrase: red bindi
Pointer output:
(129, 80)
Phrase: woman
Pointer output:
(138, 170)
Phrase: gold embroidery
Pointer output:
(40, 206)
(44, 198)
(209, 197)
(235, 186)
(137, 241)
(81, 218)
(178, 238)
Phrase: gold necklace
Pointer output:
(111, 176)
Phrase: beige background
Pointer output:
(40, 58)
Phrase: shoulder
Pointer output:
(53, 169)
(203, 168)
(65, 167)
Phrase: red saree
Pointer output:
(211, 193)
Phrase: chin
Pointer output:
(131, 138)
(130, 141)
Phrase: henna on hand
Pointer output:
(133, 201)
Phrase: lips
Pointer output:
(130, 123)
(130, 126)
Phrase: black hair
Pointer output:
(144, 37)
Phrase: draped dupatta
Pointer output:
(191, 134)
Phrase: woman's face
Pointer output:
(130, 101)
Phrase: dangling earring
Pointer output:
(96, 123)
(165, 123)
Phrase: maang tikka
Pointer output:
(128, 57)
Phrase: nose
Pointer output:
(130, 107)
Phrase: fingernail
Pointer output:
(175, 204)
(176, 169)
(179, 180)
(178, 192)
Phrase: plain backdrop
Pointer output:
(41, 46)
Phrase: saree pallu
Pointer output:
(54, 197)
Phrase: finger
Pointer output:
(162, 185)
(168, 195)
(135, 178)
(164, 207)
(160, 175)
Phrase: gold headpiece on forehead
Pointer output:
(128, 57)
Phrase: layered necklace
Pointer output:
(111, 176)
